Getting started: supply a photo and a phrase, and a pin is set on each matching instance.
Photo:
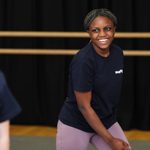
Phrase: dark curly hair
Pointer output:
(98, 12)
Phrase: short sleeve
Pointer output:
(9, 107)
(82, 75)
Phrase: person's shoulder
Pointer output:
(2, 80)
(116, 47)
(84, 53)
(1, 74)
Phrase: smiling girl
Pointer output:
(89, 112)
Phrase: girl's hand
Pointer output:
(118, 144)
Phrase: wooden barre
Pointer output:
(68, 34)
(38, 51)
(11, 51)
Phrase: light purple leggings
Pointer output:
(69, 138)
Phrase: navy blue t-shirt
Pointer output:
(103, 77)
(9, 107)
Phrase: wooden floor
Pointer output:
(22, 130)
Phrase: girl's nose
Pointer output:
(102, 33)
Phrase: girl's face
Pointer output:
(101, 32)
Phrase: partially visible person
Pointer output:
(9, 108)
(95, 79)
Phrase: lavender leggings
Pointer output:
(69, 138)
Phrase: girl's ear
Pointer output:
(88, 31)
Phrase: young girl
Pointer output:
(95, 79)
(9, 108)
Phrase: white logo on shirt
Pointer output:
(119, 71)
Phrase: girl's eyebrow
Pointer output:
(100, 28)
(104, 26)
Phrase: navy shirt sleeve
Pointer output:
(9, 107)
(82, 74)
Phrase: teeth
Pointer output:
(103, 40)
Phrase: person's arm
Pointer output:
(84, 105)
(4, 135)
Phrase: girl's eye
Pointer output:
(107, 28)
(96, 30)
